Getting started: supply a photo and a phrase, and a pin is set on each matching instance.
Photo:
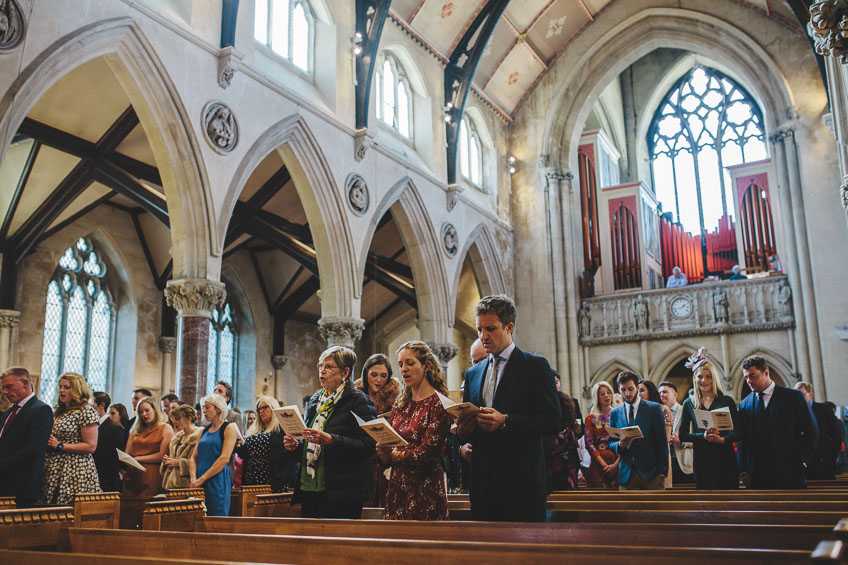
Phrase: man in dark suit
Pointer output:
(24, 431)
(110, 436)
(779, 433)
(644, 461)
(823, 464)
(519, 406)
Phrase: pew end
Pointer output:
(97, 510)
(172, 515)
(25, 528)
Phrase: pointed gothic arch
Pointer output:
(609, 368)
(673, 355)
(775, 360)
(480, 249)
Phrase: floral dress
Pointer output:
(256, 453)
(417, 488)
(595, 433)
(67, 474)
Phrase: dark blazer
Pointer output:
(22, 450)
(831, 434)
(110, 436)
(509, 464)
(348, 465)
(649, 455)
(793, 435)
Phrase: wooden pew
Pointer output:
(183, 493)
(7, 502)
(97, 510)
(750, 495)
(242, 499)
(33, 527)
(742, 536)
(53, 558)
(275, 505)
(687, 505)
(342, 550)
(172, 515)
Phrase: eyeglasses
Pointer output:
(326, 367)
(264, 407)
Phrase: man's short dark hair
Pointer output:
(101, 397)
(228, 389)
(171, 397)
(19, 373)
(143, 391)
(500, 305)
(669, 384)
(625, 376)
(757, 362)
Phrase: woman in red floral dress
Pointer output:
(416, 488)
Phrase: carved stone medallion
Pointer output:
(450, 239)
(221, 127)
(12, 24)
(357, 194)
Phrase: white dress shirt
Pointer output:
(766, 394)
(504, 355)
(635, 411)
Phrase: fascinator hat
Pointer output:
(697, 360)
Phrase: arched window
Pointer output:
(287, 28)
(221, 362)
(470, 153)
(394, 96)
(706, 123)
(79, 321)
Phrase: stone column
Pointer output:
(444, 352)
(341, 331)
(278, 362)
(194, 300)
(559, 269)
(8, 320)
(167, 346)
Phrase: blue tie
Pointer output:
(631, 417)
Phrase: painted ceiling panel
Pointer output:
(95, 191)
(50, 167)
(405, 8)
(441, 22)
(85, 102)
(136, 146)
(501, 41)
(10, 173)
(556, 26)
(595, 6)
(522, 13)
(158, 239)
(514, 77)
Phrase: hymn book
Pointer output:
(381, 431)
(291, 421)
(124, 457)
(632, 432)
(457, 409)
(719, 419)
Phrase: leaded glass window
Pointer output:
(79, 321)
(287, 28)
(470, 153)
(394, 96)
(221, 360)
(706, 123)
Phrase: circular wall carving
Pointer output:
(450, 239)
(12, 25)
(220, 126)
(357, 194)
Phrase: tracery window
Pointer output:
(78, 323)
(394, 96)
(470, 153)
(287, 28)
(221, 360)
(706, 123)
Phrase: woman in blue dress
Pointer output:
(208, 468)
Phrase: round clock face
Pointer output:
(681, 308)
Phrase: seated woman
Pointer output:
(149, 441)
(417, 489)
(602, 473)
(176, 466)
(336, 472)
(263, 452)
(714, 458)
(208, 467)
(649, 391)
(562, 459)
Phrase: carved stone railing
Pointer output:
(727, 307)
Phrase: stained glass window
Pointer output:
(394, 96)
(287, 28)
(221, 360)
(78, 322)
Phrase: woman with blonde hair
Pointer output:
(416, 489)
(263, 452)
(714, 458)
(209, 463)
(175, 467)
(603, 470)
(149, 442)
(69, 466)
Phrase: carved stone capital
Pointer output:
(167, 344)
(452, 195)
(341, 331)
(279, 361)
(828, 27)
(361, 144)
(228, 63)
(195, 297)
(9, 318)
(781, 134)
(444, 352)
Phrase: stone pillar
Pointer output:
(194, 300)
(444, 352)
(167, 346)
(341, 331)
(8, 320)
(559, 268)
(278, 362)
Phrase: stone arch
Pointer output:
(674, 354)
(121, 42)
(426, 258)
(614, 365)
(637, 36)
(324, 206)
(480, 248)
(774, 359)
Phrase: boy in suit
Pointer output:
(110, 437)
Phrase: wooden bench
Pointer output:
(183, 493)
(345, 550)
(638, 505)
(275, 505)
(748, 495)
(97, 510)
(242, 499)
(33, 527)
(53, 558)
(172, 515)
(7, 502)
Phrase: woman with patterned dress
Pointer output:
(148, 443)
(69, 466)
(601, 474)
(175, 467)
(263, 452)
(417, 489)
(209, 464)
